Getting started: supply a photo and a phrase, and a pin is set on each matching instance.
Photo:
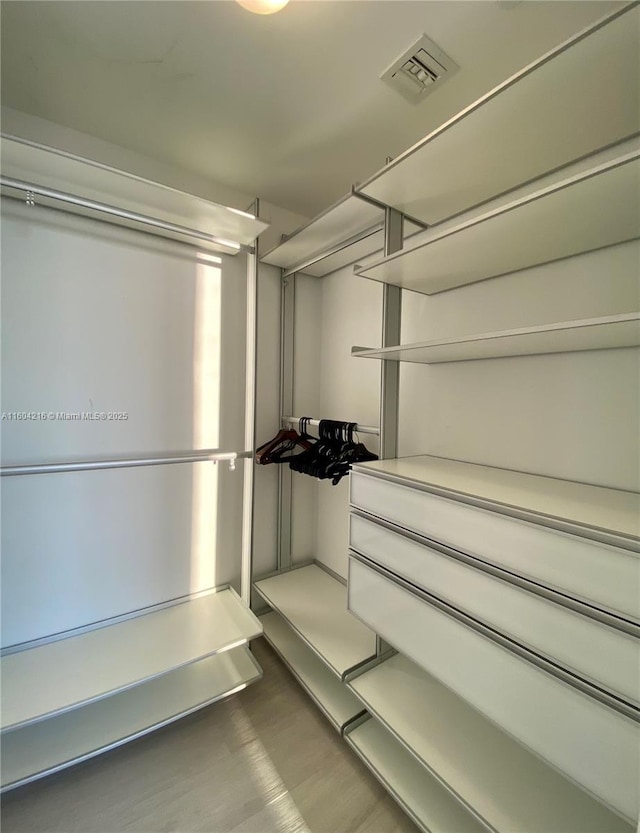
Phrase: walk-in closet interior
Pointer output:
(321, 328)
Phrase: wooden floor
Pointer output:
(263, 761)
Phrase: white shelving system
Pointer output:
(567, 336)
(316, 636)
(64, 739)
(595, 204)
(338, 704)
(345, 233)
(422, 797)
(502, 140)
(544, 167)
(498, 781)
(79, 186)
(70, 694)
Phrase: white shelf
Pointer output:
(59, 171)
(493, 776)
(597, 207)
(424, 800)
(41, 748)
(564, 337)
(57, 677)
(331, 696)
(576, 505)
(507, 137)
(349, 218)
(314, 604)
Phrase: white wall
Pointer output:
(97, 318)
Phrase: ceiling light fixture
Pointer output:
(262, 6)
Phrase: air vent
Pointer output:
(419, 70)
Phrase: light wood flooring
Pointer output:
(263, 761)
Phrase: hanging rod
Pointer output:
(205, 455)
(361, 429)
(30, 190)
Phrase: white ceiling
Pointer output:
(288, 107)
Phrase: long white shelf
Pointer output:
(507, 138)
(48, 746)
(333, 698)
(346, 233)
(585, 210)
(314, 604)
(57, 677)
(575, 505)
(492, 775)
(52, 169)
(349, 218)
(566, 336)
(425, 801)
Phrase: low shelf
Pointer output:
(60, 676)
(494, 777)
(333, 698)
(425, 801)
(314, 604)
(48, 746)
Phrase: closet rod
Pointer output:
(361, 429)
(30, 190)
(205, 455)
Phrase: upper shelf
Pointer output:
(567, 336)
(196, 221)
(345, 233)
(592, 207)
(60, 676)
(349, 221)
(507, 137)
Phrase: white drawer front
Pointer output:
(604, 575)
(593, 650)
(594, 745)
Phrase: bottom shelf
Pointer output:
(426, 802)
(45, 747)
(493, 776)
(333, 698)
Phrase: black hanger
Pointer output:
(285, 441)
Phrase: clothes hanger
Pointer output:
(284, 441)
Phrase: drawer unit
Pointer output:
(604, 655)
(593, 744)
(598, 573)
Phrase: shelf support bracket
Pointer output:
(285, 475)
(391, 322)
(390, 371)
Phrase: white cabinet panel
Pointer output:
(600, 653)
(603, 575)
(588, 741)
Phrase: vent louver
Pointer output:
(419, 70)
